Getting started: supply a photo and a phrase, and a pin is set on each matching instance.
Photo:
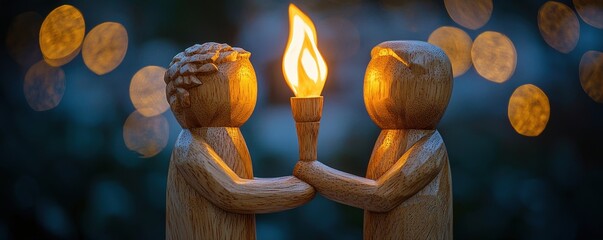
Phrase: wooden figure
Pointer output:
(211, 191)
(407, 192)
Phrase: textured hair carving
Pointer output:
(197, 60)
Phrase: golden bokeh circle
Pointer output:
(147, 91)
(44, 86)
(591, 11)
(22, 39)
(456, 43)
(146, 135)
(104, 47)
(494, 56)
(559, 26)
(61, 35)
(529, 110)
(591, 75)
(470, 14)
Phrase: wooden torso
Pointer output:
(427, 214)
(189, 214)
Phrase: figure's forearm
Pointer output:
(413, 171)
(340, 186)
(205, 171)
(265, 195)
(216, 182)
(380, 195)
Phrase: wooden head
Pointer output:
(407, 85)
(211, 85)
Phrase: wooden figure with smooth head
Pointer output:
(211, 191)
(407, 192)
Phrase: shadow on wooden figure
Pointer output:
(407, 192)
(211, 191)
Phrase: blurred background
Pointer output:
(87, 134)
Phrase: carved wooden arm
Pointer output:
(207, 173)
(411, 173)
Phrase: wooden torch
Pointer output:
(305, 72)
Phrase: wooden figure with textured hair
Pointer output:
(407, 192)
(211, 191)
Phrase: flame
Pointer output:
(303, 67)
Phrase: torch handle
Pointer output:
(307, 137)
(307, 112)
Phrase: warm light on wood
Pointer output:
(307, 112)
(407, 190)
(303, 67)
(211, 190)
(391, 86)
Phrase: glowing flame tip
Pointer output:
(303, 67)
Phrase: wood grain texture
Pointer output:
(211, 190)
(426, 209)
(307, 109)
(208, 200)
(407, 85)
(407, 193)
(307, 112)
(229, 87)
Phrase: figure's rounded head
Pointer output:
(407, 85)
(211, 85)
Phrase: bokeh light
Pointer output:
(146, 135)
(529, 110)
(558, 26)
(456, 44)
(22, 39)
(61, 35)
(68, 173)
(105, 47)
(591, 11)
(494, 56)
(44, 86)
(591, 75)
(470, 14)
(147, 91)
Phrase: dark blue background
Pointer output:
(66, 173)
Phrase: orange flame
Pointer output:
(303, 67)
